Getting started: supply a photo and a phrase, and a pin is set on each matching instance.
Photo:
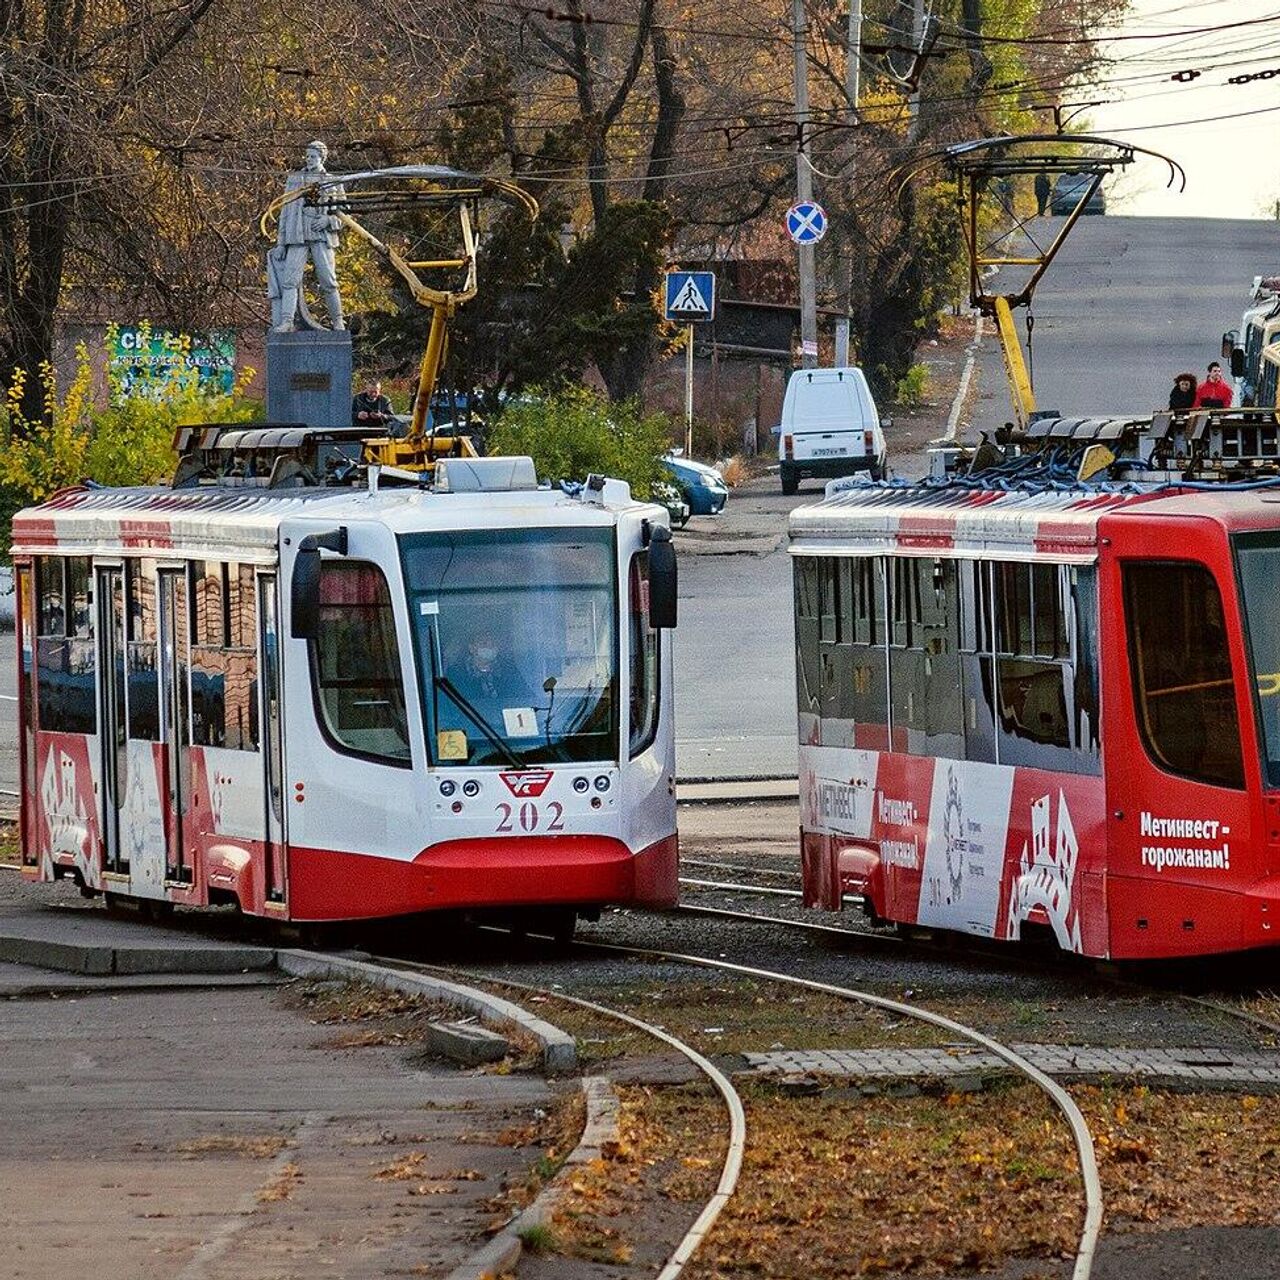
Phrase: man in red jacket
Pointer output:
(1215, 392)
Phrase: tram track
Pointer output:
(731, 1167)
(1082, 1138)
(1063, 966)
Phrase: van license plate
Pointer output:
(828, 453)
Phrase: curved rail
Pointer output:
(1057, 1094)
(983, 955)
(732, 1167)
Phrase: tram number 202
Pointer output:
(529, 817)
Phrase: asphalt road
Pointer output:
(1128, 303)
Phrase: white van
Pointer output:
(830, 427)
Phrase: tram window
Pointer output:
(140, 645)
(645, 668)
(1083, 584)
(1183, 690)
(1013, 608)
(924, 676)
(224, 657)
(208, 591)
(806, 574)
(867, 600)
(1031, 713)
(243, 607)
(805, 577)
(1049, 630)
(829, 599)
(1259, 560)
(65, 690)
(975, 607)
(355, 663)
(79, 596)
(51, 614)
(905, 601)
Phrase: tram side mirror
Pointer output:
(304, 586)
(1237, 362)
(1230, 340)
(662, 579)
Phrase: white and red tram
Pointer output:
(334, 703)
(1050, 705)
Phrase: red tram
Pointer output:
(333, 701)
(1031, 700)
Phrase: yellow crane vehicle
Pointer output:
(450, 282)
(1007, 262)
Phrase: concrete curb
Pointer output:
(559, 1052)
(502, 1252)
(957, 403)
(731, 791)
(102, 959)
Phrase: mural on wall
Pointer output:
(146, 361)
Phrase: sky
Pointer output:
(1232, 166)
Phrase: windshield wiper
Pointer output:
(468, 709)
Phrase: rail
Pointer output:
(732, 1167)
(1056, 1093)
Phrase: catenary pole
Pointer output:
(852, 88)
(804, 189)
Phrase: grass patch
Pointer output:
(255, 1146)
(540, 1239)
(10, 846)
(729, 1015)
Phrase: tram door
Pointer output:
(272, 739)
(174, 638)
(109, 592)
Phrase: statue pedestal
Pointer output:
(309, 377)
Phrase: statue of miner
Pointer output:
(306, 228)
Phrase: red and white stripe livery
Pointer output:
(482, 720)
(1056, 710)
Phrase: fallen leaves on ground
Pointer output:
(848, 1185)
(259, 1146)
(281, 1187)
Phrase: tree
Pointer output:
(130, 178)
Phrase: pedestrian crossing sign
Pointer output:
(691, 296)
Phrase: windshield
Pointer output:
(516, 644)
(1258, 556)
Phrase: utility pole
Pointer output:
(917, 42)
(804, 189)
(852, 87)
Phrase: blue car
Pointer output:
(701, 486)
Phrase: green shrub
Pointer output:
(571, 433)
(912, 387)
(130, 442)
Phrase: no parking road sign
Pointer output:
(691, 296)
(806, 222)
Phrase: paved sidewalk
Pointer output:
(219, 1134)
(1221, 1066)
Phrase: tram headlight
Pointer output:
(581, 785)
(602, 782)
(471, 787)
(448, 786)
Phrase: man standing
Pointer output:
(1215, 392)
(1042, 193)
(308, 228)
(371, 408)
